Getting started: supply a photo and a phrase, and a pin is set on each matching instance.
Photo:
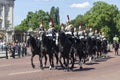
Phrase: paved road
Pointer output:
(20, 69)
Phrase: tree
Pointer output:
(34, 19)
(117, 21)
(101, 16)
(79, 20)
(54, 13)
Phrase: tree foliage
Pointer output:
(54, 13)
(34, 19)
(117, 21)
(101, 16)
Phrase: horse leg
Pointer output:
(73, 53)
(67, 65)
(40, 59)
(45, 61)
(90, 59)
(61, 61)
(117, 51)
(64, 59)
(73, 59)
(50, 61)
(56, 56)
(33, 66)
(80, 62)
(100, 54)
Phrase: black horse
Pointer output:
(79, 46)
(104, 47)
(98, 48)
(91, 48)
(65, 50)
(49, 47)
(116, 47)
(35, 50)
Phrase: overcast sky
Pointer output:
(67, 7)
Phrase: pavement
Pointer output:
(20, 69)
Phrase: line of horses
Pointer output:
(66, 49)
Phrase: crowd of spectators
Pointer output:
(14, 49)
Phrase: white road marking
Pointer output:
(26, 72)
(5, 65)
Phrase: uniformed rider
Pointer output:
(91, 33)
(62, 27)
(80, 32)
(51, 30)
(69, 29)
(42, 30)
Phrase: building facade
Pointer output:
(6, 19)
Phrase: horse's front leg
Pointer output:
(61, 61)
(40, 59)
(50, 61)
(67, 66)
(73, 60)
(33, 66)
(56, 56)
(45, 60)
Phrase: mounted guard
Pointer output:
(80, 32)
(42, 30)
(69, 27)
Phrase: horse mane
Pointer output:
(33, 42)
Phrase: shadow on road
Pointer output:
(84, 69)
(91, 63)
(104, 59)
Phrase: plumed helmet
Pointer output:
(90, 28)
(80, 26)
(51, 24)
(41, 25)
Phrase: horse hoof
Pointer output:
(41, 68)
(33, 66)
(56, 67)
(81, 68)
(50, 68)
(67, 70)
(44, 66)
(71, 69)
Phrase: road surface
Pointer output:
(20, 69)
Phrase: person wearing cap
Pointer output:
(116, 44)
(115, 39)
